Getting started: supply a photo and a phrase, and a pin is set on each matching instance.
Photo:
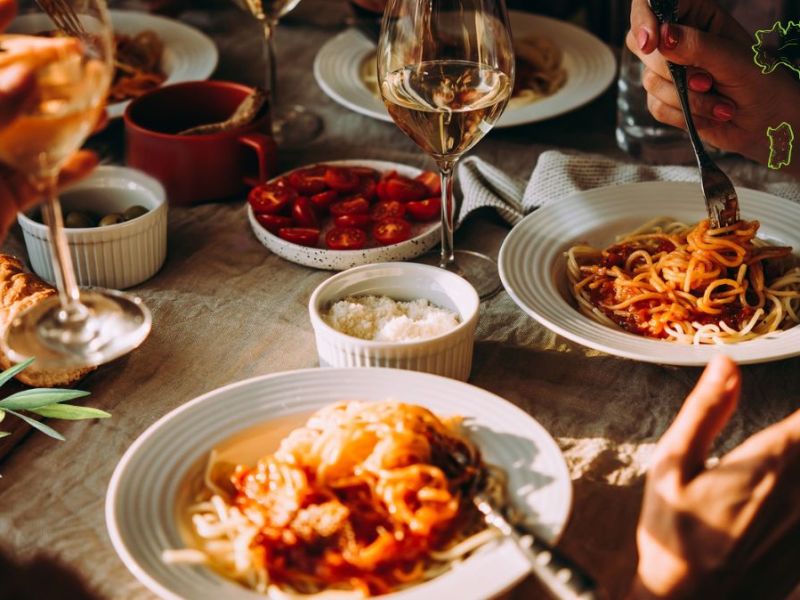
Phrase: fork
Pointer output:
(63, 16)
(722, 202)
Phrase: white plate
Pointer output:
(143, 496)
(424, 235)
(590, 66)
(533, 267)
(189, 55)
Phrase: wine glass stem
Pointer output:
(272, 70)
(446, 170)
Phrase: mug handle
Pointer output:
(266, 154)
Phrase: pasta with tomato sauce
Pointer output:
(691, 284)
(366, 497)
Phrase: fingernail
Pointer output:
(671, 36)
(723, 111)
(700, 82)
(642, 38)
(13, 77)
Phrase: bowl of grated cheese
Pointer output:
(400, 315)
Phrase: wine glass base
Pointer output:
(296, 127)
(117, 323)
(478, 269)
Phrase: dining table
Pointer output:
(226, 309)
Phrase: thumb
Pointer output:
(704, 413)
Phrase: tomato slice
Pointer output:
(304, 236)
(368, 188)
(346, 238)
(391, 231)
(273, 223)
(354, 220)
(405, 189)
(380, 187)
(350, 206)
(270, 198)
(387, 208)
(424, 210)
(342, 179)
(323, 200)
(432, 181)
(303, 213)
(308, 181)
(365, 172)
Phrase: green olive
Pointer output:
(78, 219)
(133, 212)
(111, 219)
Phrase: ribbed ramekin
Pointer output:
(448, 354)
(117, 256)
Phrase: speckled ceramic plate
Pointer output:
(533, 267)
(147, 492)
(589, 63)
(424, 236)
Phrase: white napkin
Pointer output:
(558, 174)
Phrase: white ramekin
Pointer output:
(117, 256)
(448, 354)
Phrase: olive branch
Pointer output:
(45, 402)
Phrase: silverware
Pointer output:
(722, 203)
(63, 16)
(560, 575)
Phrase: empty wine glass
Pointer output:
(71, 61)
(295, 125)
(446, 71)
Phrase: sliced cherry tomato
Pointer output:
(304, 236)
(368, 188)
(432, 181)
(308, 181)
(346, 238)
(342, 179)
(391, 231)
(355, 220)
(424, 210)
(303, 213)
(387, 208)
(365, 172)
(323, 200)
(350, 206)
(405, 189)
(273, 223)
(270, 198)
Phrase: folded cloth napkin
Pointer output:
(558, 174)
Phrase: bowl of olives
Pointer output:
(116, 227)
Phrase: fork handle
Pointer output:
(678, 73)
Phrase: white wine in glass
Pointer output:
(71, 69)
(446, 69)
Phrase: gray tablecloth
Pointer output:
(226, 309)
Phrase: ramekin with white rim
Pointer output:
(448, 354)
(115, 256)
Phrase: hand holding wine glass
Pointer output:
(446, 69)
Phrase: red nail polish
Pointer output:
(723, 112)
(672, 35)
(700, 82)
(642, 38)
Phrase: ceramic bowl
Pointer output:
(116, 256)
(448, 354)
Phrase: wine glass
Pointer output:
(296, 125)
(71, 62)
(446, 71)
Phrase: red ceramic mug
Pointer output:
(198, 168)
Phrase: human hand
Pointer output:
(731, 101)
(707, 532)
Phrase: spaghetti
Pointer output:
(366, 497)
(691, 284)
(137, 65)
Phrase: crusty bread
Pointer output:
(19, 291)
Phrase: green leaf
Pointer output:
(4, 434)
(2, 415)
(70, 412)
(10, 372)
(37, 398)
(38, 425)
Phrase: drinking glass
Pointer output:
(446, 70)
(296, 125)
(72, 71)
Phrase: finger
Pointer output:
(102, 122)
(705, 105)
(644, 27)
(703, 415)
(777, 444)
(669, 115)
(17, 85)
(8, 10)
